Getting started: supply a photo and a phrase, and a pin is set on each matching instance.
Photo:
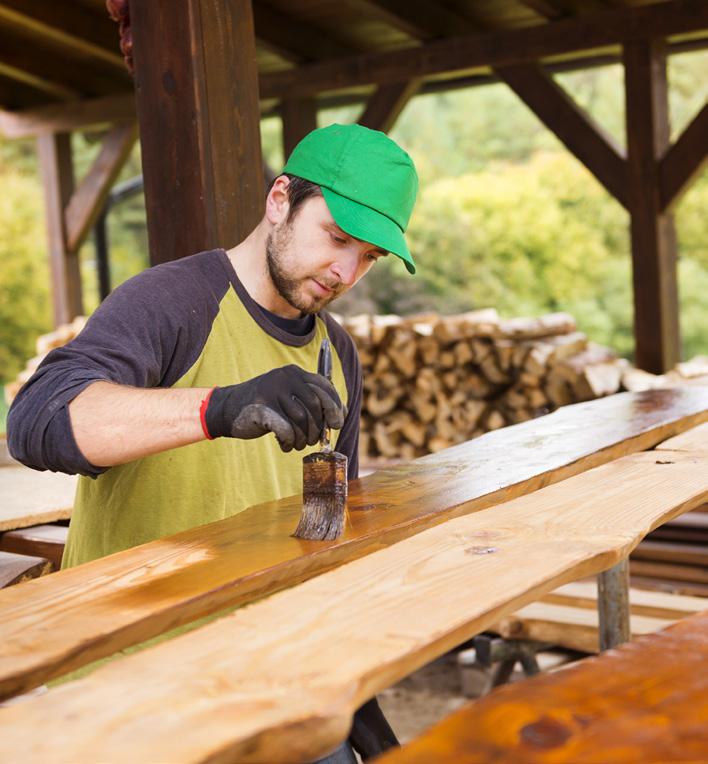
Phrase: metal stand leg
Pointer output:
(613, 605)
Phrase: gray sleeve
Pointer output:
(147, 333)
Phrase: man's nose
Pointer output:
(345, 269)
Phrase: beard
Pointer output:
(280, 262)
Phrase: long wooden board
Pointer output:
(76, 616)
(695, 439)
(644, 702)
(278, 680)
(28, 497)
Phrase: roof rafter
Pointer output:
(495, 48)
(422, 19)
(68, 25)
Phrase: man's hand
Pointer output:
(294, 404)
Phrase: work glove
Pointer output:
(290, 402)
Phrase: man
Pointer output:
(189, 395)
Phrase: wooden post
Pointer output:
(198, 109)
(654, 248)
(299, 117)
(56, 166)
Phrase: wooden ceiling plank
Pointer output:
(549, 9)
(87, 200)
(296, 40)
(497, 48)
(386, 104)
(578, 132)
(422, 19)
(684, 160)
(68, 25)
(38, 83)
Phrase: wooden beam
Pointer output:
(87, 201)
(549, 9)
(299, 117)
(98, 608)
(576, 130)
(491, 48)
(63, 118)
(654, 247)
(684, 160)
(333, 642)
(56, 166)
(385, 105)
(203, 172)
(73, 26)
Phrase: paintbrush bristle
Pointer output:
(324, 496)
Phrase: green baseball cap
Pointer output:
(368, 182)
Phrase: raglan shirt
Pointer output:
(186, 323)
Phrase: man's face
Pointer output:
(311, 261)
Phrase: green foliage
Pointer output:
(24, 277)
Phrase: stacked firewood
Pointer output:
(432, 381)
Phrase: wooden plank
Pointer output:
(16, 568)
(30, 497)
(574, 628)
(496, 48)
(693, 573)
(684, 160)
(299, 117)
(87, 201)
(583, 594)
(576, 130)
(664, 551)
(46, 541)
(56, 166)
(668, 585)
(653, 234)
(203, 186)
(385, 105)
(421, 19)
(336, 640)
(205, 569)
(644, 702)
(63, 118)
(695, 439)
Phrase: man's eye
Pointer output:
(338, 239)
(372, 257)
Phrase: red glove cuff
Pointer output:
(202, 414)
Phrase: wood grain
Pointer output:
(30, 497)
(694, 439)
(279, 680)
(644, 702)
(79, 615)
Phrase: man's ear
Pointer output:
(278, 202)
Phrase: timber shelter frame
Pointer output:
(205, 76)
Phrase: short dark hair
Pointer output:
(299, 191)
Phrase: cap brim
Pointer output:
(366, 224)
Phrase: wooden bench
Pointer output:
(29, 497)
(46, 541)
(643, 702)
(280, 679)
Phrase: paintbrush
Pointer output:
(324, 479)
